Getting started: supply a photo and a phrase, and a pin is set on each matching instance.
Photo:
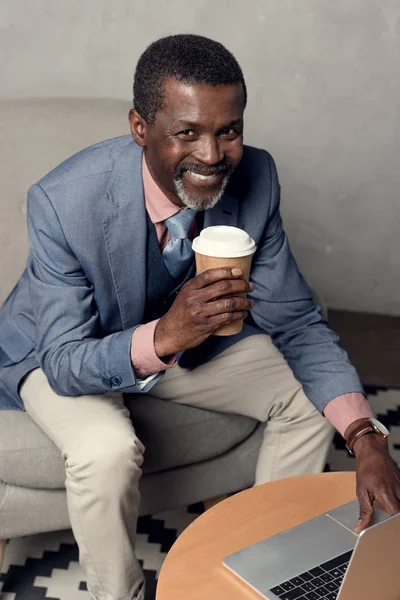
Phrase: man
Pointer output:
(109, 303)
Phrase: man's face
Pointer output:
(196, 141)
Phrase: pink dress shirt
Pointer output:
(340, 411)
(143, 356)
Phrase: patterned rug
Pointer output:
(46, 566)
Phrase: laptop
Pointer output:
(323, 559)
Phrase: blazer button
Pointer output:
(116, 380)
(106, 382)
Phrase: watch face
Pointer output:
(380, 427)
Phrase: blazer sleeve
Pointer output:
(285, 310)
(70, 349)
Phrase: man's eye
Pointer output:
(230, 132)
(187, 132)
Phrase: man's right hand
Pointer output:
(204, 304)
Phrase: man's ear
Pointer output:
(138, 127)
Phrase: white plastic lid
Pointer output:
(223, 241)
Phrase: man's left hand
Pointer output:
(378, 478)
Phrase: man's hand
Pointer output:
(378, 478)
(204, 304)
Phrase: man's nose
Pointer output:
(209, 150)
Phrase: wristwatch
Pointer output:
(368, 426)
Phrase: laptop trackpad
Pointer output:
(348, 514)
(281, 557)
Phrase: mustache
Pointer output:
(225, 167)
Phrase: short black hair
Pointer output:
(192, 59)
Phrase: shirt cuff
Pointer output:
(346, 409)
(144, 359)
(141, 383)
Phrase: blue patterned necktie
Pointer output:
(178, 253)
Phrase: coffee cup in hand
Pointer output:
(224, 246)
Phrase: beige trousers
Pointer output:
(103, 456)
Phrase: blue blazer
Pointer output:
(83, 291)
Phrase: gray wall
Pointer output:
(324, 99)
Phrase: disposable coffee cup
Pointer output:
(224, 246)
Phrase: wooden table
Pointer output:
(193, 567)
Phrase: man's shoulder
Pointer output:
(255, 172)
(98, 159)
(255, 158)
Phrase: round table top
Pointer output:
(193, 568)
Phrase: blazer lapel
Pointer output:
(125, 234)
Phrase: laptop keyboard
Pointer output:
(321, 583)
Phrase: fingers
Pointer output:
(366, 511)
(214, 298)
(225, 318)
(223, 276)
(225, 287)
(212, 275)
(230, 304)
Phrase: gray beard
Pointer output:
(199, 204)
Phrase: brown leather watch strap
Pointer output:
(362, 429)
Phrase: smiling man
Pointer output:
(110, 303)
(207, 118)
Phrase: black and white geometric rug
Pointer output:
(46, 566)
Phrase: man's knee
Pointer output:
(306, 415)
(108, 459)
(295, 407)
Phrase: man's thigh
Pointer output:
(251, 378)
(71, 420)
